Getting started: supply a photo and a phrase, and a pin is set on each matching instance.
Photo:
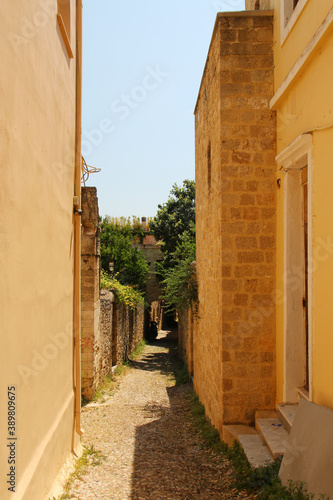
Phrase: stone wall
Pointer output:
(105, 324)
(259, 4)
(128, 330)
(234, 340)
(91, 354)
(109, 330)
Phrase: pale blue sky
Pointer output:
(142, 66)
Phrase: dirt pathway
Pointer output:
(152, 450)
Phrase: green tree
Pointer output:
(175, 218)
(180, 288)
(174, 224)
(117, 246)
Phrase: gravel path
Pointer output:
(153, 452)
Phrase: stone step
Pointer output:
(253, 445)
(231, 432)
(255, 449)
(286, 414)
(273, 434)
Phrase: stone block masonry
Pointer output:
(109, 331)
(91, 353)
(128, 331)
(234, 339)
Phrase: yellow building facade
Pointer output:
(303, 101)
(260, 352)
(40, 89)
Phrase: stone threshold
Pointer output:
(268, 439)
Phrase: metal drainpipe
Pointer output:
(77, 221)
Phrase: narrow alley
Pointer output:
(152, 450)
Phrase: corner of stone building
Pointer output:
(236, 226)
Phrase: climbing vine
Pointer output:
(125, 294)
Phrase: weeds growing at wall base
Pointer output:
(262, 482)
(181, 373)
(89, 457)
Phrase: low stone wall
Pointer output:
(120, 330)
(128, 330)
(105, 323)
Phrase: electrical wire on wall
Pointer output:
(87, 170)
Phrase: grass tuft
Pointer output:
(137, 351)
(263, 482)
(89, 457)
(181, 374)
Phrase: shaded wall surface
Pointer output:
(234, 339)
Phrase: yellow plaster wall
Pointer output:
(323, 265)
(305, 107)
(308, 22)
(37, 140)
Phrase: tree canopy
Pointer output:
(174, 224)
(117, 238)
(174, 220)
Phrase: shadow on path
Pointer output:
(169, 460)
(166, 360)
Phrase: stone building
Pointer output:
(153, 254)
(264, 249)
(234, 341)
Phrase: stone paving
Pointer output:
(152, 450)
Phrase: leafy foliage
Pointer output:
(117, 246)
(174, 218)
(180, 284)
(125, 294)
(174, 224)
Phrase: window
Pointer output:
(290, 10)
(64, 21)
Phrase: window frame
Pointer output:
(289, 16)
